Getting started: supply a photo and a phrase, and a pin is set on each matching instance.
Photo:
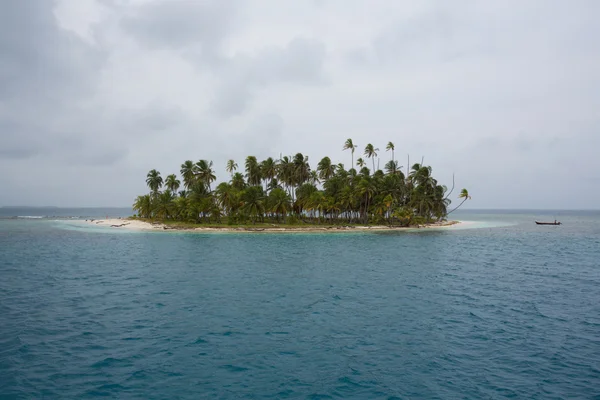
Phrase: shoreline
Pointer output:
(143, 226)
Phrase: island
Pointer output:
(287, 194)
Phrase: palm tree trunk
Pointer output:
(463, 202)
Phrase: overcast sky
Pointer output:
(94, 93)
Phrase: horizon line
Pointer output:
(464, 209)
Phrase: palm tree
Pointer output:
(393, 168)
(143, 206)
(268, 170)
(440, 202)
(253, 200)
(285, 173)
(180, 207)
(325, 168)
(238, 182)
(188, 172)
(464, 194)
(413, 172)
(301, 169)
(350, 146)
(366, 188)
(370, 196)
(225, 195)
(279, 203)
(253, 171)
(164, 205)
(371, 152)
(273, 184)
(231, 166)
(205, 173)
(303, 194)
(388, 201)
(172, 183)
(390, 146)
(313, 178)
(315, 203)
(154, 181)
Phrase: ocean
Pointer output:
(496, 308)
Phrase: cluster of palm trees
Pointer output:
(289, 190)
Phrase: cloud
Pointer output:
(12, 146)
(300, 62)
(181, 24)
(503, 94)
(43, 70)
(40, 58)
(263, 135)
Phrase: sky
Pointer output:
(95, 93)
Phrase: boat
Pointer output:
(548, 223)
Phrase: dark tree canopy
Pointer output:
(289, 189)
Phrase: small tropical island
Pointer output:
(288, 194)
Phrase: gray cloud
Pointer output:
(12, 146)
(300, 62)
(181, 24)
(38, 57)
(263, 135)
(503, 94)
(197, 30)
(44, 69)
(152, 118)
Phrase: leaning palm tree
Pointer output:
(464, 194)
(350, 146)
(390, 146)
(231, 167)
(154, 181)
(172, 183)
(371, 152)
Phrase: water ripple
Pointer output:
(476, 313)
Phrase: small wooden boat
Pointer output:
(548, 223)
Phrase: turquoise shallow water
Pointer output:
(508, 309)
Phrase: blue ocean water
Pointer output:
(500, 308)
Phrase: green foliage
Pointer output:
(289, 191)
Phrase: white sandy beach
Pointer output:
(132, 224)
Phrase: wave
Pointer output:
(31, 216)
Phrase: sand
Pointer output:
(132, 224)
